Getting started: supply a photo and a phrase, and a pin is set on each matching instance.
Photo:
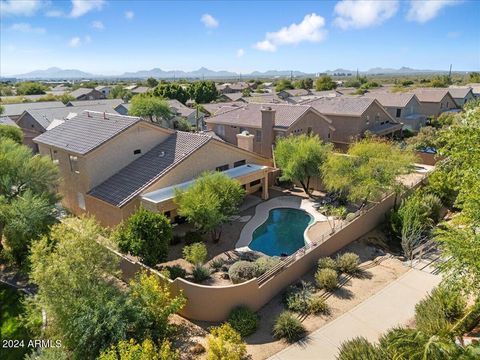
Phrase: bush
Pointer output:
(326, 279)
(297, 297)
(287, 326)
(196, 253)
(200, 273)
(348, 263)
(11, 132)
(265, 263)
(327, 263)
(243, 320)
(145, 234)
(176, 271)
(242, 271)
(358, 348)
(225, 343)
(176, 240)
(217, 264)
(317, 305)
(350, 217)
(192, 237)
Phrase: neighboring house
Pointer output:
(312, 96)
(190, 114)
(289, 93)
(236, 96)
(125, 162)
(216, 108)
(232, 87)
(461, 95)
(403, 107)
(113, 103)
(27, 135)
(13, 111)
(140, 90)
(352, 117)
(5, 120)
(264, 98)
(434, 101)
(105, 90)
(255, 127)
(87, 94)
(475, 89)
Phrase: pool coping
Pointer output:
(262, 211)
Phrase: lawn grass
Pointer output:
(10, 326)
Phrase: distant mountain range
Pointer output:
(55, 73)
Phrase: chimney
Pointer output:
(245, 141)
(104, 115)
(268, 122)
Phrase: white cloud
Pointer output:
(129, 15)
(54, 13)
(424, 10)
(363, 13)
(81, 7)
(98, 25)
(240, 52)
(75, 42)
(27, 28)
(310, 29)
(20, 8)
(209, 21)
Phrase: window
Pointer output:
(255, 182)
(447, 105)
(54, 156)
(309, 130)
(328, 135)
(137, 151)
(81, 201)
(74, 164)
(377, 118)
(258, 136)
(239, 163)
(220, 130)
(441, 105)
(399, 113)
(222, 167)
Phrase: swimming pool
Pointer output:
(282, 232)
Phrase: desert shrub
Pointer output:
(243, 320)
(217, 264)
(287, 326)
(195, 253)
(350, 216)
(434, 205)
(192, 237)
(242, 271)
(297, 297)
(435, 313)
(265, 263)
(225, 343)
(358, 348)
(326, 279)
(348, 263)
(176, 271)
(317, 305)
(200, 273)
(327, 263)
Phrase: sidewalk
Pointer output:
(391, 306)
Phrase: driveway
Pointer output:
(391, 306)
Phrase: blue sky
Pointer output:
(114, 36)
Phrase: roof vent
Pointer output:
(105, 115)
(88, 114)
(161, 154)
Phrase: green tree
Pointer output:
(203, 91)
(2, 109)
(151, 82)
(371, 169)
(474, 77)
(11, 132)
(305, 84)
(325, 83)
(145, 234)
(27, 196)
(183, 124)
(119, 92)
(195, 253)
(210, 202)
(172, 91)
(150, 107)
(283, 84)
(426, 138)
(301, 158)
(225, 343)
(30, 88)
(147, 350)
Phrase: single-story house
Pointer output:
(109, 102)
(104, 89)
(434, 101)
(264, 98)
(87, 94)
(461, 95)
(216, 108)
(289, 93)
(5, 120)
(256, 126)
(403, 107)
(13, 111)
(234, 96)
(125, 162)
(238, 86)
(140, 90)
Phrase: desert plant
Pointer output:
(217, 264)
(297, 297)
(317, 305)
(195, 253)
(176, 271)
(242, 271)
(243, 320)
(348, 263)
(287, 326)
(225, 343)
(358, 348)
(350, 216)
(265, 263)
(326, 279)
(200, 273)
(327, 263)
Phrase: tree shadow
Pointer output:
(343, 293)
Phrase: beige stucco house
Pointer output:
(111, 164)
(462, 95)
(434, 101)
(256, 126)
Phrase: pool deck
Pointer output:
(261, 215)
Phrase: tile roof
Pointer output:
(234, 96)
(86, 131)
(112, 102)
(138, 175)
(216, 108)
(430, 95)
(296, 92)
(459, 92)
(250, 115)
(140, 89)
(180, 109)
(5, 120)
(264, 98)
(80, 91)
(342, 105)
(391, 99)
(18, 109)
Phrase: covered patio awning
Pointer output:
(168, 193)
(386, 128)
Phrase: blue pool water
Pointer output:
(282, 232)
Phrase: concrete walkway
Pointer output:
(393, 305)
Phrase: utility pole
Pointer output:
(450, 73)
(357, 75)
(291, 75)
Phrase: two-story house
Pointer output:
(433, 102)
